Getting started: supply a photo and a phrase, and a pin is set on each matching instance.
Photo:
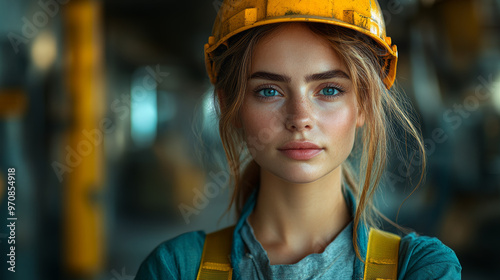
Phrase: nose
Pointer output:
(299, 117)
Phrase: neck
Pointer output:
(299, 217)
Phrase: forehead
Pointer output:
(294, 49)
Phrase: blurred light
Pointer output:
(44, 50)
(210, 122)
(144, 109)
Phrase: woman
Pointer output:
(298, 83)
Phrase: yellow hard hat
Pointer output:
(364, 16)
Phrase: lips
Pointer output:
(299, 145)
(300, 150)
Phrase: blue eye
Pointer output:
(268, 92)
(330, 91)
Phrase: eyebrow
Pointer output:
(313, 77)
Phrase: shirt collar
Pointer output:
(238, 245)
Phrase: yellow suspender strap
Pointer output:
(382, 256)
(216, 258)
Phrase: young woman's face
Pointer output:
(300, 112)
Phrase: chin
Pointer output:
(301, 175)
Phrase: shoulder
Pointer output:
(422, 257)
(170, 258)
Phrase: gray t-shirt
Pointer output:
(335, 262)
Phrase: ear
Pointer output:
(360, 121)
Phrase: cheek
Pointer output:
(341, 125)
(260, 121)
(259, 124)
(252, 123)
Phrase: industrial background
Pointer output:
(106, 116)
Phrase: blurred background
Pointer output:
(106, 116)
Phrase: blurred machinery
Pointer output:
(452, 73)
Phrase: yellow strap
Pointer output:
(216, 258)
(382, 255)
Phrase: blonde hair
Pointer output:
(381, 107)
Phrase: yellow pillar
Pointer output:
(83, 212)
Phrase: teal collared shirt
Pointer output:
(420, 257)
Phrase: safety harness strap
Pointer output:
(216, 258)
(382, 256)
